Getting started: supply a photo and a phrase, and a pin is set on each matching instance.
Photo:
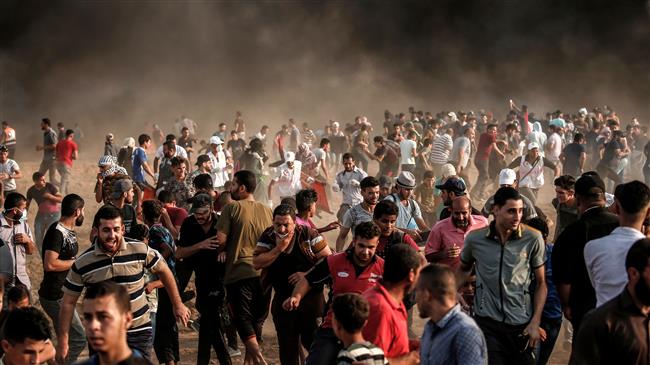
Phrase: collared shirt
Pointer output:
(219, 172)
(504, 271)
(614, 333)
(127, 267)
(387, 322)
(10, 264)
(445, 235)
(9, 167)
(351, 192)
(605, 260)
(454, 339)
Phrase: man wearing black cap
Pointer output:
(451, 189)
(569, 271)
(203, 166)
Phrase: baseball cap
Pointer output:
(289, 156)
(532, 145)
(507, 177)
(120, 187)
(215, 140)
(201, 159)
(589, 185)
(455, 185)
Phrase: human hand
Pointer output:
(333, 225)
(283, 241)
(61, 350)
(291, 303)
(221, 257)
(182, 313)
(100, 178)
(149, 287)
(210, 243)
(453, 251)
(532, 331)
(296, 277)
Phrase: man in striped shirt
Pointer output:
(440, 151)
(123, 261)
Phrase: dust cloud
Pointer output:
(119, 66)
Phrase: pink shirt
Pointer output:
(306, 223)
(444, 235)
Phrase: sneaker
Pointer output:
(233, 352)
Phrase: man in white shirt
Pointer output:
(554, 145)
(605, 257)
(219, 164)
(440, 151)
(461, 151)
(287, 178)
(348, 182)
(180, 151)
(408, 152)
(9, 171)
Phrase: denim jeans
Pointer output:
(77, 335)
(41, 223)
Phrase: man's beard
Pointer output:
(642, 292)
(459, 223)
(79, 221)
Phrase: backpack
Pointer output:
(395, 199)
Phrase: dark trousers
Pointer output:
(165, 339)
(483, 177)
(141, 341)
(210, 296)
(249, 304)
(506, 343)
(552, 328)
(324, 349)
(297, 327)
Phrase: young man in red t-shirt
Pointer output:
(66, 151)
(486, 144)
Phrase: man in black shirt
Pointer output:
(60, 248)
(617, 332)
(198, 248)
(569, 271)
(187, 142)
(122, 198)
(236, 145)
(286, 251)
(574, 155)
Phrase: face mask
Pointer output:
(219, 148)
(18, 216)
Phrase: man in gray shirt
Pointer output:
(505, 256)
(348, 182)
(49, 150)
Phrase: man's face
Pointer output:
(404, 193)
(492, 131)
(364, 250)
(370, 195)
(27, 352)
(424, 301)
(460, 215)
(348, 164)
(104, 323)
(471, 134)
(235, 190)
(563, 195)
(4, 155)
(207, 165)
(283, 225)
(43, 126)
(642, 287)
(180, 171)
(185, 133)
(428, 182)
(384, 192)
(169, 152)
(326, 147)
(203, 215)
(533, 154)
(109, 234)
(386, 224)
(22, 303)
(509, 215)
(129, 196)
(222, 128)
(234, 136)
(147, 145)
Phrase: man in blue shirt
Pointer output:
(450, 336)
(139, 162)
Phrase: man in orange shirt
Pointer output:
(66, 151)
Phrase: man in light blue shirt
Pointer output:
(450, 336)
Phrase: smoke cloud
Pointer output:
(117, 66)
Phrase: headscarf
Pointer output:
(307, 158)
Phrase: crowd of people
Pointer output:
(455, 221)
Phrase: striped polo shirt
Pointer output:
(126, 267)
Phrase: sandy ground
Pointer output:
(82, 183)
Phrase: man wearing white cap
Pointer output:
(219, 165)
(531, 171)
(288, 177)
(508, 178)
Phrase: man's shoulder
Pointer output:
(477, 234)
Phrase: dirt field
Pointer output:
(84, 172)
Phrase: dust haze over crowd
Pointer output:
(120, 65)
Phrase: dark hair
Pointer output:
(110, 289)
(107, 212)
(305, 198)
(428, 174)
(284, 209)
(566, 182)
(369, 182)
(578, 137)
(171, 146)
(13, 199)
(638, 255)
(351, 310)
(143, 138)
(37, 176)
(540, 225)
(26, 323)
(385, 207)
(511, 126)
(68, 132)
(247, 179)
(184, 129)
(633, 197)
(152, 210)
(202, 181)
(378, 139)
(439, 280)
(367, 230)
(201, 200)
(46, 121)
(166, 196)
(399, 261)
(17, 293)
(323, 142)
(233, 133)
(177, 161)
(411, 134)
(504, 194)
(170, 137)
(70, 204)
(347, 156)
(139, 232)
(223, 198)
(490, 126)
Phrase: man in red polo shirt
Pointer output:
(66, 151)
(387, 323)
(353, 271)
